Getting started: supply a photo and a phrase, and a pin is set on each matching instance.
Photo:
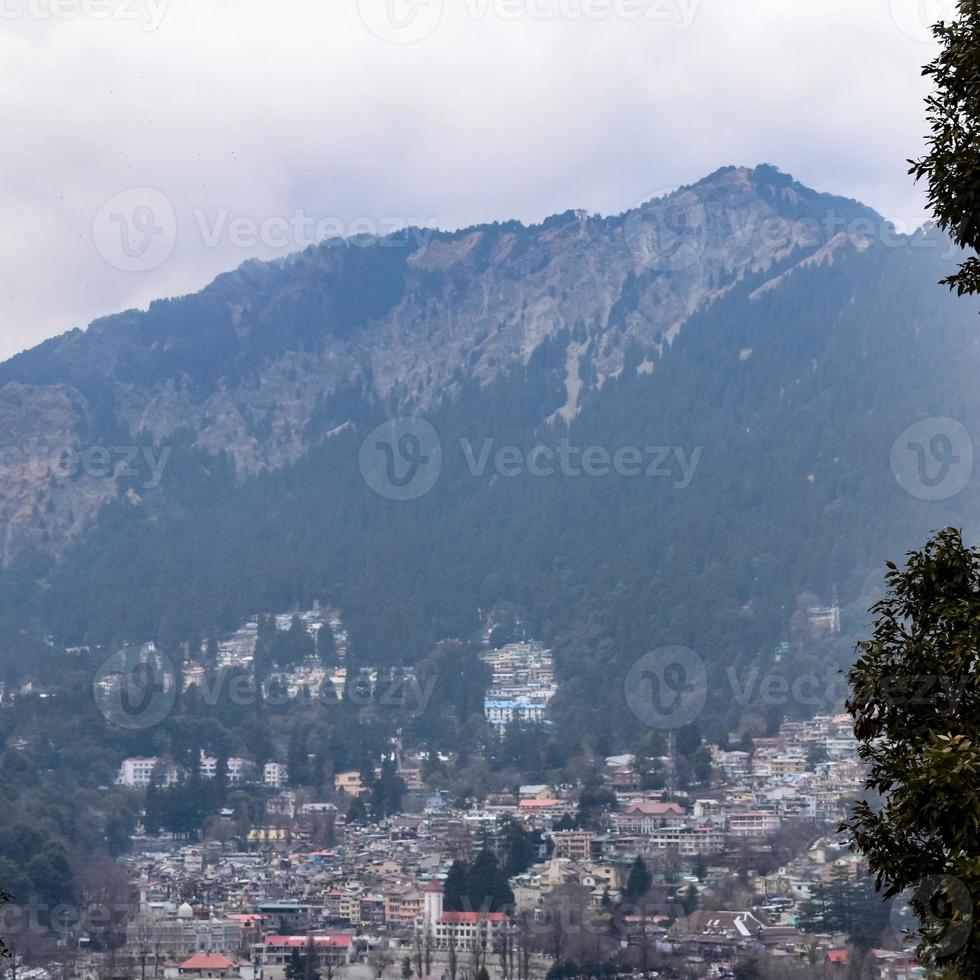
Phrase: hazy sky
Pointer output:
(151, 144)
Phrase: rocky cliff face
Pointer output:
(245, 363)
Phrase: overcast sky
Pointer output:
(151, 144)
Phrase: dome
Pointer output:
(185, 911)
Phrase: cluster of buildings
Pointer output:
(377, 891)
(238, 648)
(522, 684)
(309, 681)
(137, 772)
(810, 770)
(140, 771)
(380, 887)
(734, 862)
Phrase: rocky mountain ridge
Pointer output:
(244, 364)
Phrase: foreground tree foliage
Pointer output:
(952, 165)
(4, 898)
(916, 704)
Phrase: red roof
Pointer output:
(651, 809)
(206, 961)
(339, 942)
(460, 917)
(434, 885)
(836, 956)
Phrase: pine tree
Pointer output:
(455, 890)
(221, 778)
(639, 880)
(326, 646)
(311, 961)
(357, 811)
(151, 807)
(297, 757)
(294, 968)
(689, 899)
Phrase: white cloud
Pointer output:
(504, 108)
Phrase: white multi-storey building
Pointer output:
(138, 771)
(239, 770)
(500, 711)
(753, 823)
(687, 841)
(275, 952)
(462, 931)
(275, 774)
(523, 683)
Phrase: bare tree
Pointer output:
(105, 890)
(379, 960)
(417, 953)
(504, 948)
(422, 949)
(568, 909)
(525, 944)
(479, 951)
(453, 966)
(331, 969)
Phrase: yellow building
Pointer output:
(348, 782)
(350, 908)
(266, 835)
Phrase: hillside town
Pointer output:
(733, 872)
(597, 877)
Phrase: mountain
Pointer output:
(759, 346)
(245, 363)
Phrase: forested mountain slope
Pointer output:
(762, 348)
